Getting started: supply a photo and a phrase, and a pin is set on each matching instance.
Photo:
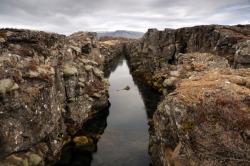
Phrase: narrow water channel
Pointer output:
(125, 139)
(119, 133)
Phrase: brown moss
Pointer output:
(224, 110)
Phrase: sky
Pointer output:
(68, 16)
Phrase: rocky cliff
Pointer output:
(205, 120)
(50, 85)
(159, 49)
(203, 74)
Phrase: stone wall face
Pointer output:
(50, 85)
(203, 118)
(161, 49)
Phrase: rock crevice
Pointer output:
(51, 84)
(203, 75)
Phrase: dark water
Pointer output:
(125, 140)
(119, 133)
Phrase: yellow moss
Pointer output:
(80, 141)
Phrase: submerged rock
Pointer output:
(126, 88)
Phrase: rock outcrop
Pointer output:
(203, 74)
(158, 49)
(205, 120)
(50, 85)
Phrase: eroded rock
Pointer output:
(43, 87)
(205, 102)
(206, 116)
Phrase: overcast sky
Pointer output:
(68, 16)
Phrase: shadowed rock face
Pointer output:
(204, 115)
(49, 86)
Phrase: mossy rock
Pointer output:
(69, 70)
(169, 82)
(5, 85)
(88, 67)
(80, 141)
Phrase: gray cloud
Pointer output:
(68, 16)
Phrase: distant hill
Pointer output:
(121, 33)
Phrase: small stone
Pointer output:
(90, 99)
(2, 40)
(106, 81)
(77, 49)
(5, 85)
(175, 73)
(82, 80)
(88, 67)
(9, 33)
(208, 93)
(169, 82)
(72, 99)
(98, 72)
(33, 74)
(69, 70)
(81, 84)
(85, 61)
(97, 95)
(127, 88)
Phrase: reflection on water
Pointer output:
(92, 129)
(125, 140)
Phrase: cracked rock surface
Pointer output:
(50, 85)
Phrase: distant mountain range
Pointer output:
(121, 33)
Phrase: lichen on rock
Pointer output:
(69, 70)
(42, 91)
(7, 85)
(204, 109)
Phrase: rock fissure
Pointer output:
(51, 84)
(204, 74)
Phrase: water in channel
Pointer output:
(125, 139)
(119, 133)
